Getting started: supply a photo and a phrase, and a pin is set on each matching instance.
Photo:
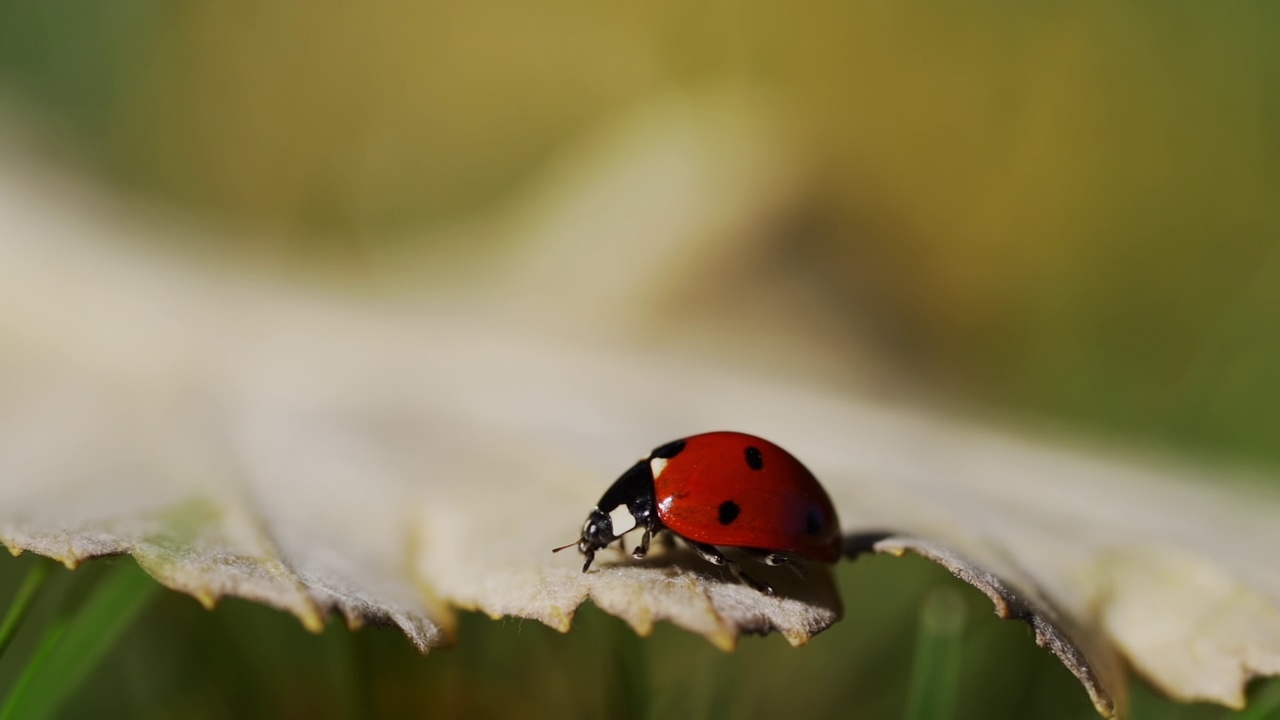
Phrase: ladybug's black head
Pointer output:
(597, 533)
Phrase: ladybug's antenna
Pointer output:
(565, 547)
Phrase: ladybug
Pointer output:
(725, 489)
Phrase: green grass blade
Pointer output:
(14, 705)
(76, 640)
(22, 602)
(935, 672)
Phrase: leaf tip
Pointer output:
(797, 639)
(557, 619)
(642, 626)
(724, 639)
(312, 621)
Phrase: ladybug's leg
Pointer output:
(643, 548)
(712, 555)
(774, 559)
(651, 528)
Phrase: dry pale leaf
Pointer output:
(392, 461)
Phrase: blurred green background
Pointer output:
(1065, 212)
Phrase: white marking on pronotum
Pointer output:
(622, 520)
(657, 465)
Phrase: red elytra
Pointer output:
(726, 489)
(738, 490)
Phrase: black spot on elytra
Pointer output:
(668, 451)
(728, 512)
(754, 459)
(813, 522)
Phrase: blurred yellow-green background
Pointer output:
(1071, 210)
(1067, 212)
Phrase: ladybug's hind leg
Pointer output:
(713, 555)
(774, 559)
